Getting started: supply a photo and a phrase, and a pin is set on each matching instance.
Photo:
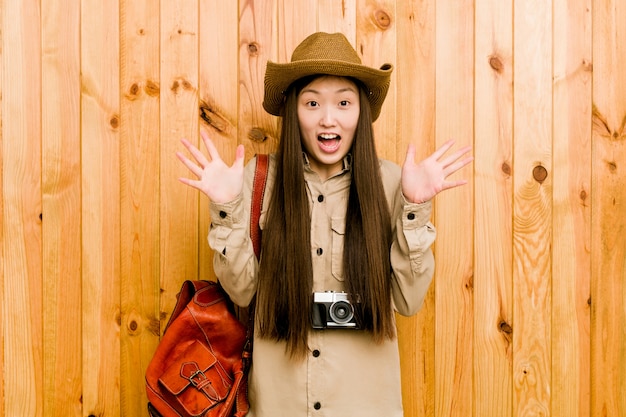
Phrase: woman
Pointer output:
(343, 233)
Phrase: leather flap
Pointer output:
(189, 369)
(209, 295)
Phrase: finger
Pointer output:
(190, 146)
(239, 156)
(455, 156)
(195, 169)
(195, 152)
(443, 149)
(453, 184)
(210, 146)
(410, 154)
(189, 182)
(450, 169)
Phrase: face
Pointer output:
(328, 112)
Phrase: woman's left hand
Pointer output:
(423, 181)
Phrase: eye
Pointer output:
(312, 103)
(344, 103)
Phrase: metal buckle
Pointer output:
(200, 377)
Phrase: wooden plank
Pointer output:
(2, 239)
(61, 189)
(571, 262)
(532, 209)
(218, 98)
(294, 23)
(376, 41)
(608, 242)
(139, 198)
(415, 109)
(584, 373)
(21, 194)
(454, 281)
(258, 43)
(179, 119)
(493, 139)
(100, 120)
(334, 16)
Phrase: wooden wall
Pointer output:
(527, 314)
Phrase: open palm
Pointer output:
(220, 182)
(424, 180)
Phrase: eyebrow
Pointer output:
(341, 90)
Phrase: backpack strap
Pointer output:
(258, 192)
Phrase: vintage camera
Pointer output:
(332, 310)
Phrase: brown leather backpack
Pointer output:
(201, 363)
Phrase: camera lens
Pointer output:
(341, 312)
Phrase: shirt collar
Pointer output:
(347, 163)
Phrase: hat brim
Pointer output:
(278, 78)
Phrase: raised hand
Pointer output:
(423, 181)
(220, 182)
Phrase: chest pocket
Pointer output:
(338, 225)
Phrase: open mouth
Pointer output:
(329, 142)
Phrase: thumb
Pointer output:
(410, 154)
(239, 156)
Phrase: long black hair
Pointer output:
(284, 294)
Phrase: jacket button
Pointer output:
(316, 353)
(320, 198)
(320, 251)
(223, 214)
(411, 216)
(317, 405)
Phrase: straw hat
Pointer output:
(324, 53)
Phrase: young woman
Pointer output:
(346, 238)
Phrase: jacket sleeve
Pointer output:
(234, 261)
(412, 260)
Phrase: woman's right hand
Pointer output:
(220, 182)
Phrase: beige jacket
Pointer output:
(346, 374)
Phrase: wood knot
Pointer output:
(583, 195)
(506, 169)
(253, 48)
(505, 327)
(469, 285)
(115, 122)
(212, 117)
(133, 91)
(382, 19)
(151, 88)
(496, 64)
(133, 326)
(612, 165)
(540, 174)
(154, 327)
(256, 134)
(181, 83)
(599, 122)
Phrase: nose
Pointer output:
(328, 117)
